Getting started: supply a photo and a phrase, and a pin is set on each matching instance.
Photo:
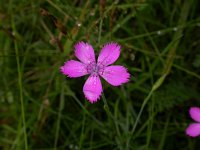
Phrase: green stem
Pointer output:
(20, 90)
(100, 28)
(141, 110)
(61, 107)
(106, 107)
(82, 130)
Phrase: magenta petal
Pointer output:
(92, 88)
(115, 75)
(73, 69)
(109, 54)
(84, 52)
(193, 130)
(195, 113)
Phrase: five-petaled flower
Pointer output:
(193, 129)
(115, 75)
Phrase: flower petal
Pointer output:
(109, 54)
(73, 69)
(115, 75)
(84, 52)
(92, 88)
(195, 113)
(193, 130)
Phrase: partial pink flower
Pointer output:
(193, 129)
(115, 75)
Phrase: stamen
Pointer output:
(95, 69)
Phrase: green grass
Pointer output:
(41, 109)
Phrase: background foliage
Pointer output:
(42, 109)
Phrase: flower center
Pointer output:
(96, 69)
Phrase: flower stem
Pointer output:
(141, 110)
(100, 28)
(106, 107)
(20, 89)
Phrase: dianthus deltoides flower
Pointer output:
(115, 75)
(193, 129)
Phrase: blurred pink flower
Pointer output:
(115, 75)
(193, 129)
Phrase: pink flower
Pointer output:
(115, 75)
(194, 128)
